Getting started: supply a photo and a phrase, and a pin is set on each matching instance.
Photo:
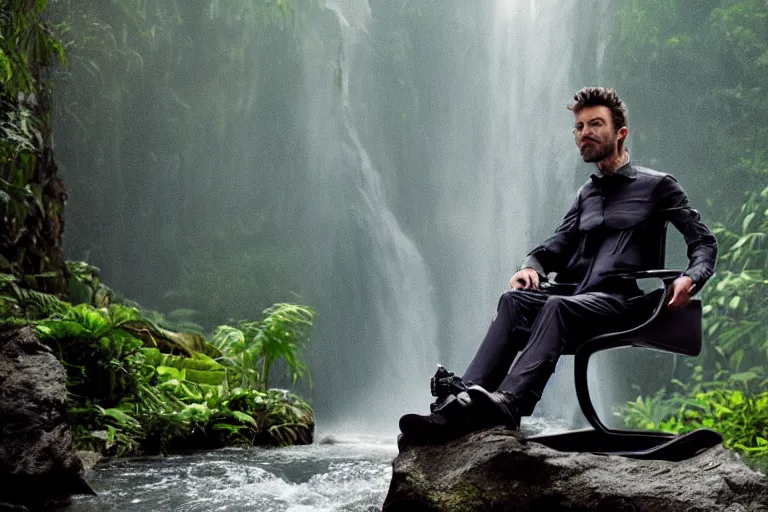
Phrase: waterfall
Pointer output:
(491, 169)
(390, 162)
(399, 347)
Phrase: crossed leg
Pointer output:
(503, 391)
(507, 335)
(562, 321)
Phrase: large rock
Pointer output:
(38, 464)
(492, 470)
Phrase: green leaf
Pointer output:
(121, 314)
(95, 321)
(213, 378)
(747, 220)
(167, 373)
(234, 429)
(121, 417)
(100, 435)
(60, 329)
(244, 418)
(741, 241)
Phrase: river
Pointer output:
(341, 472)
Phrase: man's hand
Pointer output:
(525, 279)
(681, 290)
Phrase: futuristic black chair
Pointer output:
(676, 331)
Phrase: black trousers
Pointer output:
(541, 326)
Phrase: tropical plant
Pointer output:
(254, 346)
(21, 303)
(128, 398)
(31, 193)
(737, 298)
(103, 358)
(740, 418)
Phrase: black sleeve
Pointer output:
(556, 251)
(673, 203)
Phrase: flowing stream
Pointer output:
(338, 474)
(349, 475)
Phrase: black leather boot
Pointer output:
(450, 420)
(494, 408)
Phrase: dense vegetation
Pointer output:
(31, 193)
(708, 61)
(138, 381)
(136, 385)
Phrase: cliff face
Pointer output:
(492, 470)
(38, 464)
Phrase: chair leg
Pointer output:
(581, 364)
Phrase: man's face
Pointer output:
(595, 135)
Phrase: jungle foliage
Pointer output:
(31, 193)
(709, 61)
(136, 387)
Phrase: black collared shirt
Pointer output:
(618, 222)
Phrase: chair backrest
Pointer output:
(661, 261)
(677, 331)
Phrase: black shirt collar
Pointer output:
(626, 171)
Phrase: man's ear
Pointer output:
(622, 133)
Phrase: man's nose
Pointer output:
(588, 131)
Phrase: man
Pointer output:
(616, 223)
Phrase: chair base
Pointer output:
(637, 444)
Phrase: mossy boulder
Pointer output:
(495, 470)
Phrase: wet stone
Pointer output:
(492, 470)
(38, 463)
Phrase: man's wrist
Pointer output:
(695, 286)
(531, 262)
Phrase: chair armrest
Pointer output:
(556, 288)
(665, 275)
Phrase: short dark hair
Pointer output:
(606, 96)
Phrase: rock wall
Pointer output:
(38, 464)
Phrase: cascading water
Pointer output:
(397, 288)
(487, 145)
(493, 144)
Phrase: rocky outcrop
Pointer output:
(492, 470)
(89, 458)
(38, 464)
